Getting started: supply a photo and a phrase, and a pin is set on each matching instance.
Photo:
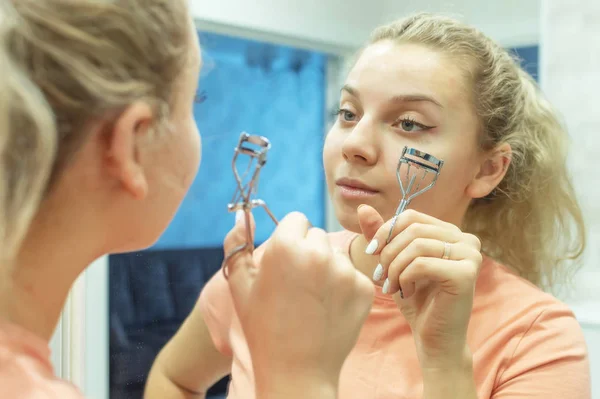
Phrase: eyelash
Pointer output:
(200, 97)
(414, 122)
(341, 111)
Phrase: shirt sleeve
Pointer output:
(216, 306)
(550, 361)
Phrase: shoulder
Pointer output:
(25, 369)
(525, 319)
(499, 287)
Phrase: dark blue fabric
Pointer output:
(150, 294)
(268, 90)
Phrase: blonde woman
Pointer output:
(459, 311)
(110, 85)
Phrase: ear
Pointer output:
(122, 149)
(491, 171)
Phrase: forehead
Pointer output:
(389, 69)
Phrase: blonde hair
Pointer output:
(93, 58)
(27, 146)
(532, 221)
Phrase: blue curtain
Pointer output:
(529, 57)
(264, 89)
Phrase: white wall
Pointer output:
(332, 25)
(570, 54)
(512, 23)
(344, 25)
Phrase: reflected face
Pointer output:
(401, 95)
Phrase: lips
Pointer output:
(354, 184)
(355, 190)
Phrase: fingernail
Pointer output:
(372, 247)
(378, 273)
(386, 286)
(239, 214)
(360, 206)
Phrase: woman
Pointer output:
(111, 86)
(458, 310)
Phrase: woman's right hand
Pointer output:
(301, 310)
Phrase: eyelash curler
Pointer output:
(256, 147)
(419, 161)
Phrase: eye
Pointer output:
(345, 115)
(410, 125)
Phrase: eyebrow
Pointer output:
(397, 99)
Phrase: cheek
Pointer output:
(194, 148)
(456, 175)
(331, 152)
(185, 156)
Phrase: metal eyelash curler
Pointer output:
(256, 147)
(421, 161)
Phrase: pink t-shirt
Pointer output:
(25, 368)
(525, 343)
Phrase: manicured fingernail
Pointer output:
(372, 247)
(386, 286)
(239, 214)
(378, 273)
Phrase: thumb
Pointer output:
(240, 266)
(369, 220)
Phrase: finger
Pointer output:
(369, 220)
(413, 232)
(418, 249)
(240, 265)
(243, 229)
(404, 220)
(455, 277)
(293, 227)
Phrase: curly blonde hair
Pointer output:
(27, 145)
(93, 58)
(532, 221)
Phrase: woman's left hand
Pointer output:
(430, 267)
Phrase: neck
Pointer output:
(34, 288)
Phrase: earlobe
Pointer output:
(123, 148)
(136, 183)
(491, 172)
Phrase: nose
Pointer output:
(359, 146)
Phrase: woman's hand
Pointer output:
(431, 268)
(301, 310)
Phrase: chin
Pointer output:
(135, 241)
(348, 220)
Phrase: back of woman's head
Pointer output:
(93, 58)
(532, 220)
(27, 145)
